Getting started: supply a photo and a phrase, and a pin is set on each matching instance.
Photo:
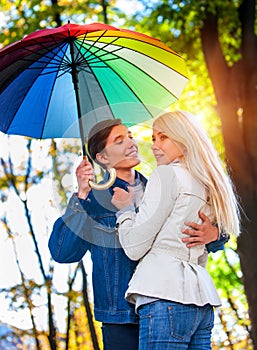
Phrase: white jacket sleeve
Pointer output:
(137, 232)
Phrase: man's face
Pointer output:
(121, 151)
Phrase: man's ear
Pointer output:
(102, 159)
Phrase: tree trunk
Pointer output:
(235, 92)
(104, 6)
(57, 16)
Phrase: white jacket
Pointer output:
(167, 268)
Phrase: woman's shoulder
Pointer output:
(172, 170)
(165, 170)
(164, 174)
(186, 179)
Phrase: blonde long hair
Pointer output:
(203, 162)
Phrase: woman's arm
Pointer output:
(138, 231)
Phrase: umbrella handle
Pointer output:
(105, 185)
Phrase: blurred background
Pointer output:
(45, 305)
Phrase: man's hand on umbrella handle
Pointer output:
(91, 178)
(200, 234)
(107, 184)
(84, 173)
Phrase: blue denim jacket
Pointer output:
(90, 225)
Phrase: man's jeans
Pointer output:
(166, 325)
(120, 336)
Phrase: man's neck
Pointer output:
(127, 175)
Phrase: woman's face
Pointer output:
(164, 149)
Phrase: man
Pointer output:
(89, 223)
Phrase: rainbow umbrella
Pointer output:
(59, 82)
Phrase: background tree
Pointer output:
(36, 288)
(184, 25)
(223, 33)
(21, 18)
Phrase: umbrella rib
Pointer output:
(79, 59)
(94, 49)
(40, 55)
(64, 71)
(47, 107)
(64, 58)
(59, 61)
(117, 57)
(167, 49)
(95, 57)
(141, 53)
(54, 68)
(111, 68)
(18, 106)
(56, 71)
(120, 48)
(133, 92)
(100, 87)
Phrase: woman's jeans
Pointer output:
(166, 325)
(120, 336)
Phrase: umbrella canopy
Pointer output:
(59, 82)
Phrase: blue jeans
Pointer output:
(166, 325)
(120, 336)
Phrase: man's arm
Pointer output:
(68, 242)
(206, 233)
(69, 239)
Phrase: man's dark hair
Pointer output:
(98, 135)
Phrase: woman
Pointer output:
(171, 289)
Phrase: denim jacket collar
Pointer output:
(101, 200)
(124, 184)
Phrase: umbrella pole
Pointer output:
(74, 74)
(112, 171)
(81, 128)
(76, 89)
